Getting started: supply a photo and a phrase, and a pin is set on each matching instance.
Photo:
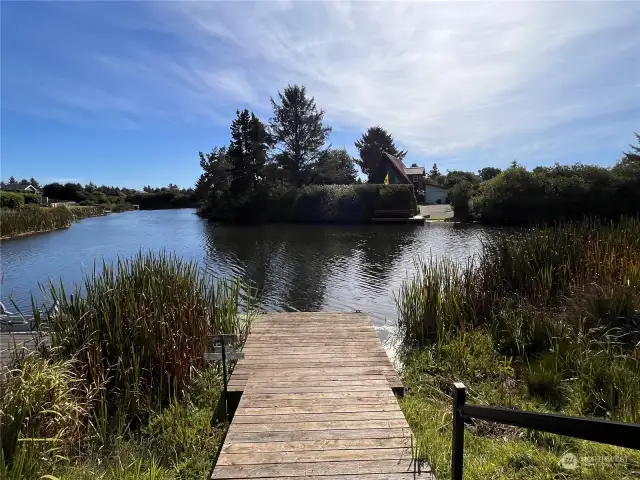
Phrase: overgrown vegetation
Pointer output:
(122, 391)
(32, 219)
(312, 204)
(543, 319)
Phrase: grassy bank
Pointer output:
(543, 319)
(123, 391)
(35, 219)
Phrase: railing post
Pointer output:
(457, 438)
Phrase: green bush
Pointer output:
(460, 195)
(31, 199)
(311, 204)
(548, 194)
(11, 199)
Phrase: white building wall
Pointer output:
(433, 194)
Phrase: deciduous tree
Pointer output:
(335, 166)
(487, 173)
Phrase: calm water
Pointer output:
(297, 267)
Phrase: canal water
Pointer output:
(296, 267)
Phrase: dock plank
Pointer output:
(316, 400)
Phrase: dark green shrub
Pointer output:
(460, 195)
(310, 204)
(11, 199)
(31, 198)
(549, 194)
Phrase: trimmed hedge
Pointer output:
(311, 204)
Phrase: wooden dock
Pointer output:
(315, 398)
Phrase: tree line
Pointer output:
(290, 151)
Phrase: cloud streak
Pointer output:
(446, 78)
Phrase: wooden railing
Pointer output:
(603, 431)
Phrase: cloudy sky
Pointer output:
(128, 92)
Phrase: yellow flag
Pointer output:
(386, 179)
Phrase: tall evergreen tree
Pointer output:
(297, 131)
(371, 145)
(434, 172)
(247, 152)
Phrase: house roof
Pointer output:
(15, 187)
(414, 170)
(398, 166)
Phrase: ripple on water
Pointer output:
(296, 267)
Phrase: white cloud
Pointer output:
(443, 77)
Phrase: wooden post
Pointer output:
(457, 438)
(224, 381)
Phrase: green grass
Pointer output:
(543, 319)
(123, 390)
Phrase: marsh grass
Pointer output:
(127, 346)
(32, 219)
(543, 319)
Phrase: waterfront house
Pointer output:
(391, 170)
(19, 187)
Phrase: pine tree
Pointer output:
(434, 172)
(297, 131)
(632, 156)
(239, 153)
(371, 145)
(247, 152)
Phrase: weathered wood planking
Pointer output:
(314, 344)
(317, 401)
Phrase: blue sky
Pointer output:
(127, 93)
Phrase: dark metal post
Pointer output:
(224, 379)
(457, 439)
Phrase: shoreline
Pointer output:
(26, 234)
(76, 218)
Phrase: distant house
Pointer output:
(416, 175)
(18, 187)
(434, 193)
(397, 173)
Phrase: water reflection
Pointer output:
(297, 267)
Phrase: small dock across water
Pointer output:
(314, 398)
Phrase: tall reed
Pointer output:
(138, 329)
(36, 219)
(32, 218)
(572, 290)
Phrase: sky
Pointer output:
(128, 93)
